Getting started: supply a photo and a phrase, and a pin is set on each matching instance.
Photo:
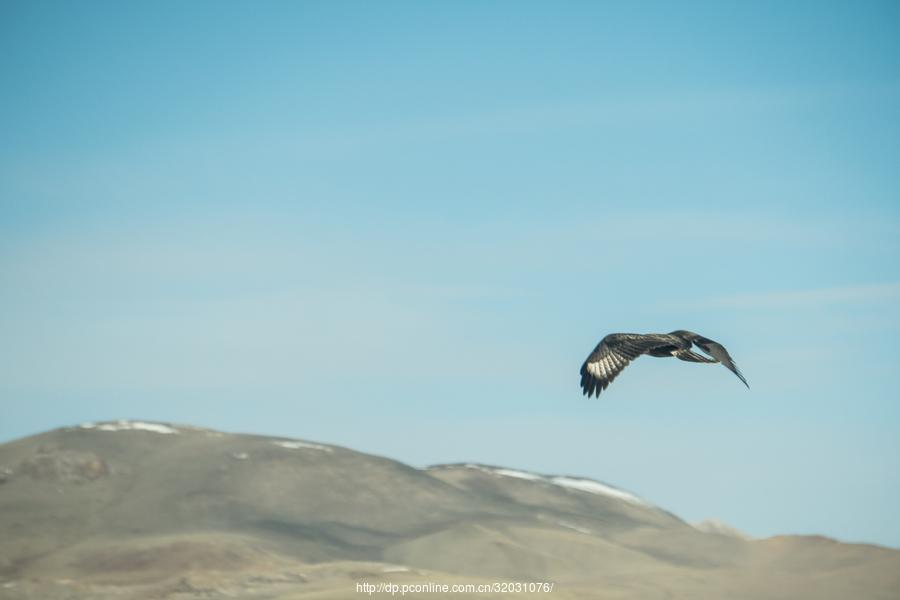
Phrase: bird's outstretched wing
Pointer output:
(718, 351)
(613, 354)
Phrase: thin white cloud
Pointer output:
(611, 110)
(853, 294)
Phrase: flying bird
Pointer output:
(616, 350)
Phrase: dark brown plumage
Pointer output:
(616, 350)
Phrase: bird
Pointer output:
(616, 350)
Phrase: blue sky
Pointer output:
(401, 227)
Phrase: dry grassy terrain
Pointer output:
(131, 510)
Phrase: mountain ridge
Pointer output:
(182, 511)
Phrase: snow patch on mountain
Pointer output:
(577, 483)
(595, 487)
(130, 426)
(295, 445)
